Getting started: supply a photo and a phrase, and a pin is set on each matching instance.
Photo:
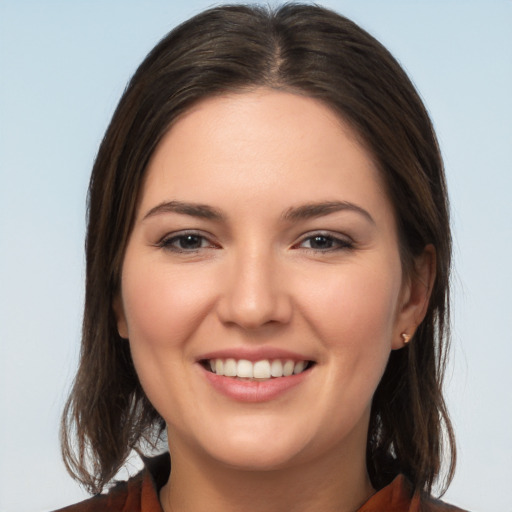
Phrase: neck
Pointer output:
(333, 484)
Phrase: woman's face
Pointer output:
(264, 244)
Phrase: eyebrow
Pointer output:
(202, 211)
(303, 212)
(312, 210)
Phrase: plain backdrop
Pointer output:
(63, 67)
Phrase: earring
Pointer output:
(405, 337)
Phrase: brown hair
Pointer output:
(307, 50)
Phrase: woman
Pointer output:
(268, 258)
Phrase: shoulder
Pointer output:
(121, 497)
(399, 496)
(138, 494)
(433, 505)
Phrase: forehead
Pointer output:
(260, 144)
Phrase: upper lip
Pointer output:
(255, 354)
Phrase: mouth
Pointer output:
(262, 370)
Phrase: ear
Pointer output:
(122, 326)
(415, 296)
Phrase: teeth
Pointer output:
(261, 370)
(299, 367)
(244, 369)
(288, 368)
(276, 368)
(230, 368)
(264, 369)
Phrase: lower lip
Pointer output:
(251, 390)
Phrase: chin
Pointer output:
(257, 460)
(257, 451)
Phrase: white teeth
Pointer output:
(244, 369)
(276, 368)
(263, 369)
(288, 368)
(299, 367)
(230, 368)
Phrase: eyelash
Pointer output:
(168, 241)
(337, 244)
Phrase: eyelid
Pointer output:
(340, 241)
(343, 242)
(165, 241)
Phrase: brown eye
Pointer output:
(320, 242)
(186, 242)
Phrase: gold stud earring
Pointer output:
(405, 337)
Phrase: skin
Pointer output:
(256, 278)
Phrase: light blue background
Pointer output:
(63, 66)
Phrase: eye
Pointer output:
(186, 242)
(324, 242)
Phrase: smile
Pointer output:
(258, 370)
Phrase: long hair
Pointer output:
(306, 50)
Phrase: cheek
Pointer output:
(355, 310)
(162, 305)
(355, 315)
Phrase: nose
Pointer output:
(255, 293)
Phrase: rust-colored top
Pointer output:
(140, 494)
